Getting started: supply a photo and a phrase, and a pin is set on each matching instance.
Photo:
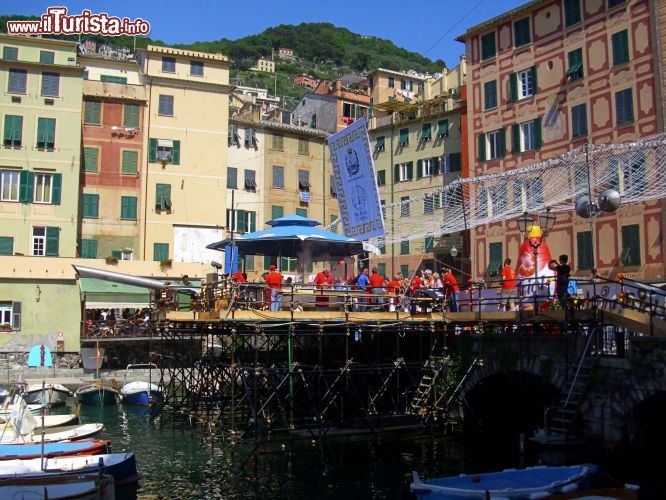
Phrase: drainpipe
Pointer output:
(392, 170)
(146, 141)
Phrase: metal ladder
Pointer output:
(434, 367)
(559, 419)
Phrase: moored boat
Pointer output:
(49, 420)
(51, 394)
(122, 466)
(140, 393)
(59, 449)
(96, 395)
(86, 487)
(531, 482)
(54, 434)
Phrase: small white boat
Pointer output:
(50, 420)
(51, 394)
(532, 482)
(86, 487)
(7, 411)
(52, 435)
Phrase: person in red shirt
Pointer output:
(508, 292)
(394, 287)
(416, 283)
(323, 280)
(238, 276)
(274, 282)
(377, 285)
(451, 288)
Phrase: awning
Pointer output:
(100, 294)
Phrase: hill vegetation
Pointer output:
(321, 49)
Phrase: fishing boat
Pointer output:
(54, 434)
(86, 487)
(140, 392)
(121, 466)
(51, 394)
(96, 395)
(52, 450)
(532, 482)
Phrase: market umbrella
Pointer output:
(295, 236)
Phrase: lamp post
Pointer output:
(526, 223)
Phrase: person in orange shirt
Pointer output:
(451, 288)
(274, 282)
(323, 280)
(508, 293)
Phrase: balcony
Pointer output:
(405, 112)
(92, 88)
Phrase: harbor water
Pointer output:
(185, 464)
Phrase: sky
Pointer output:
(429, 28)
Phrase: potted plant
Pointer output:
(112, 260)
(5, 327)
(166, 263)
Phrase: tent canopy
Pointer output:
(101, 294)
(294, 236)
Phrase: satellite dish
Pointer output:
(609, 200)
(584, 208)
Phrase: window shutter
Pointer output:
(26, 186)
(537, 133)
(130, 162)
(240, 221)
(175, 153)
(152, 151)
(6, 245)
(435, 165)
(17, 81)
(502, 142)
(533, 70)
(396, 173)
(419, 169)
(50, 84)
(41, 132)
(515, 138)
(513, 87)
(253, 222)
(482, 147)
(16, 315)
(455, 162)
(52, 241)
(410, 170)
(57, 189)
(131, 117)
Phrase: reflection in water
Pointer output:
(176, 464)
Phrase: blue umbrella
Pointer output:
(291, 236)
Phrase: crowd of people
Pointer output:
(397, 292)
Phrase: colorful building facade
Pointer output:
(591, 67)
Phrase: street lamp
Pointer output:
(526, 223)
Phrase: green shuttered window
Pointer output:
(46, 133)
(6, 245)
(130, 162)
(131, 116)
(92, 113)
(90, 159)
(128, 207)
(13, 132)
(89, 249)
(521, 32)
(584, 253)
(91, 205)
(631, 246)
(52, 241)
(620, 42)
(160, 251)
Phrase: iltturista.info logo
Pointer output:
(56, 21)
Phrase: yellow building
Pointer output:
(184, 183)
(39, 163)
(265, 65)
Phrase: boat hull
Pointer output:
(64, 449)
(121, 466)
(140, 393)
(89, 487)
(52, 396)
(516, 484)
(96, 396)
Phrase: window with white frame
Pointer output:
(9, 185)
(5, 313)
(427, 167)
(164, 149)
(127, 255)
(444, 164)
(404, 171)
(493, 145)
(39, 241)
(527, 137)
(525, 83)
(43, 188)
